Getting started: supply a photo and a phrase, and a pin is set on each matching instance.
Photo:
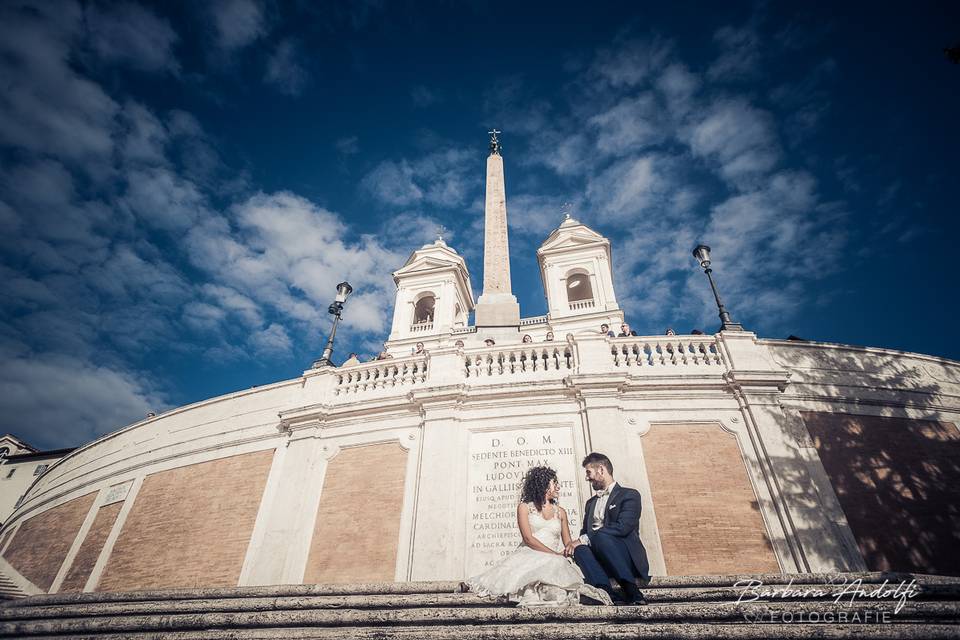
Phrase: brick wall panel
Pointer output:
(358, 519)
(707, 511)
(42, 542)
(90, 548)
(898, 482)
(189, 526)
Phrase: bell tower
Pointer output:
(434, 296)
(575, 267)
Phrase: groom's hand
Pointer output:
(568, 550)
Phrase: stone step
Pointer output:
(446, 587)
(557, 631)
(9, 589)
(682, 595)
(721, 613)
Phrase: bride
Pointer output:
(537, 573)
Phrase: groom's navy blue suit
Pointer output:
(615, 550)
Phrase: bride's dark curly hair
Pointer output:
(535, 484)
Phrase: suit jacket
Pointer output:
(622, 520)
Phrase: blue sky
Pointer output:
(183, 184)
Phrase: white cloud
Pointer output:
(235, 302)
(348, 145)
(285, 253)
(771, 242)
(537, 215)
(739, 138)
(238, 23)
(203, 316)
(442, 178)
(163, 199)
(631, 63)
(679, 87)
(127, 33)
(630, 125)
(392, 183)
(144, 137)
(284, 70)
(410, 230)
(61, 400)
(271, 341)
(627, 188)
(45, 106)
(739, 54)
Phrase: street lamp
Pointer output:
(335, 309)
(702, 254)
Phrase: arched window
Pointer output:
(423, 311)
(579, 288)
(459, 318)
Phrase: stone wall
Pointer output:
(898, 481)
(41, 543)
(358, 520)
(90, 548)
(189, 526)
(706, 509)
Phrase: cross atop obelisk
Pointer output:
(497, 306)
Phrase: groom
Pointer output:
(609, 545)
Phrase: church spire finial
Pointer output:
(495, 147)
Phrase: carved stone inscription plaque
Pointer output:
(498, 461)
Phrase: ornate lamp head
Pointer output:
(702, 254)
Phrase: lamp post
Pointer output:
(702, 254)
(335, 309)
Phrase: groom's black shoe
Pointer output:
(633, 594)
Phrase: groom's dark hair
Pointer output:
(598, 458)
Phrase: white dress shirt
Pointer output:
(599, 511)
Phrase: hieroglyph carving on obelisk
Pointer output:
(497, 305)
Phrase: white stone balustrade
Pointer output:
(421, 327)
(526, 361)
(380, 374)
(522, 362)
(582, 304)
(667, 351)
(527, 322)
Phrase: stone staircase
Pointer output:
(9, 589)
(679, 607)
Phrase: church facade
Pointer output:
(752, 455)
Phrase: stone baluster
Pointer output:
(652, 356)
(671, 353)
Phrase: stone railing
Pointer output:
(666, 351)
(420, 327)
(582, 304)
(381, 374)
(459, 331)
(521, 360)
(519, 363)
(526, 322)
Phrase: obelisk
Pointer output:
(497, 306)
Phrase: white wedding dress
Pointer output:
(534, 578)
